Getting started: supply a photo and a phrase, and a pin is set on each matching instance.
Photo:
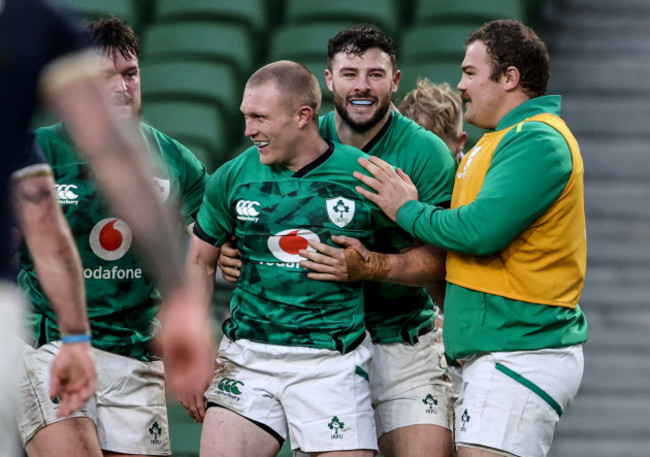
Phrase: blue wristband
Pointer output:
(80, 338)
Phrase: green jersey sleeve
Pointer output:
(529, 170)
(193, 184)
(215, 217)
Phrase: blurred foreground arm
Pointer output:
(58, 267)
(200, 268)
(117, 154)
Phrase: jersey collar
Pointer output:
(318, 161)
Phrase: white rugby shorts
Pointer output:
(409, 384)
(129, 407)
(320, 397)
(512, 401)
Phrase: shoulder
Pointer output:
(345, 159)
(326, 124)
(51, 131)
(171, 149)
(245, 164)
(161, 138)
(324, 119)
(538, 145)
(410, 132)
(536, 135)
(415, 148)
(56, 144)
(350, 152)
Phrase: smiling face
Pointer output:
(270, 124)
(482, 95)
(362, 86)
(122, 76)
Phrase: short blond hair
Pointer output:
(436, 107)
(298, 85)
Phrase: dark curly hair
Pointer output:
(356, 40)
(511, 43)
(111, 35)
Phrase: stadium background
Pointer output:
(197, 54)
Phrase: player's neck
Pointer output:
(309, 152)
(357, 138)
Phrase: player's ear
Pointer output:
(395, 82)
(328, 80)
(305, 114)
(511, 78)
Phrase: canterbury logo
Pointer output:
(230, 386)
(246, 211)
(66, 195)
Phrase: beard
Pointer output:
(341, 103)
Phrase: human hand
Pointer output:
(328, 262)
(352, 264)
(194, 403)
(73, 377)
(393, 187)
(229, 262)
(188, 353)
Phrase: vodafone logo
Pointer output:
(286, 244)
(110, 238)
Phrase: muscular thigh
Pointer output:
(420, 440)
(228, 434)
(75, 436)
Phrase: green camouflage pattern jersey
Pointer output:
(393, 312)
(274, 212)
(121, 297)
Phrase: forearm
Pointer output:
(452, 230)
(200, 270)
(420, 266)
(55, 256)
(200, 280)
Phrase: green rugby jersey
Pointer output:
(121, 297)
(274, 212)
(394, 312)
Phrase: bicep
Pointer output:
(417, 266)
